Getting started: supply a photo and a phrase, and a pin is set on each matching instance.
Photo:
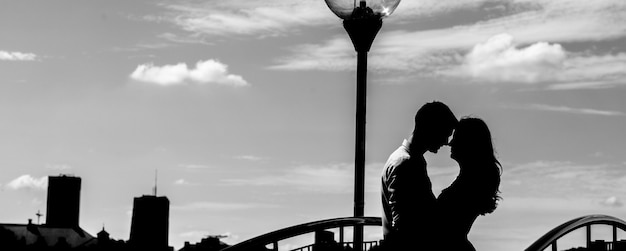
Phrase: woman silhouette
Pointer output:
(475, 190)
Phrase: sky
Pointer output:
(246, 109)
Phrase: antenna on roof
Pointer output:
(156, 175)
(38, 216)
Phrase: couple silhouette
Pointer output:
(413, 218)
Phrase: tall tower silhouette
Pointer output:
(150, 224)
(63, 204)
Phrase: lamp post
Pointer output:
(362, 19)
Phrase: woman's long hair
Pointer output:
(473, 141)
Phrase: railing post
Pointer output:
(275, 246)
(554, 247)
(614, 233)
(588, 227)
(341, 235)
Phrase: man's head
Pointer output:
(434, 123)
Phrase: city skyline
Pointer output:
(246, 108)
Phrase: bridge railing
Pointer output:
(550, 238)
(260, 242)
(547, 240)
(366, 245)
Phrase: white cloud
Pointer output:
(183, 182)
(184, 39)
(248, 17)
(250, 158)
(592, 71)
(331, 178)
(499, 60)
(205, 72)
(612, 202)
(565, 109)
(408, 10)
(28, 182)
(17, 56)
(218, 206)
(336, 54)
(600, 84)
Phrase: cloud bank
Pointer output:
(504, 41)
(519, 41)
(246, 17)
(205, 72)
(498, 59)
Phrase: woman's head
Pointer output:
(471, 141)
(472, 147)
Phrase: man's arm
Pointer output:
(411, 199)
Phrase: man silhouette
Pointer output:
(407, 197)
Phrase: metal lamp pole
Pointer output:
(362, 21)
(362, 29)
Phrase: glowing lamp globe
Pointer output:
(354, 9)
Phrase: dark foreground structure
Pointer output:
(150, 223)
(63, 207)
(62, 231)
(150, 227)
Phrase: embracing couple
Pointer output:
(413, 218)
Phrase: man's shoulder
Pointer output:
(401, 157)
(398, 157)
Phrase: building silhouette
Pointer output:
(42, 237)
(210, 243)
(150, 223)
(63, 206)
(325, 241)
(61, 231)
(602, 245)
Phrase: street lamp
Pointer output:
(362, 19)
